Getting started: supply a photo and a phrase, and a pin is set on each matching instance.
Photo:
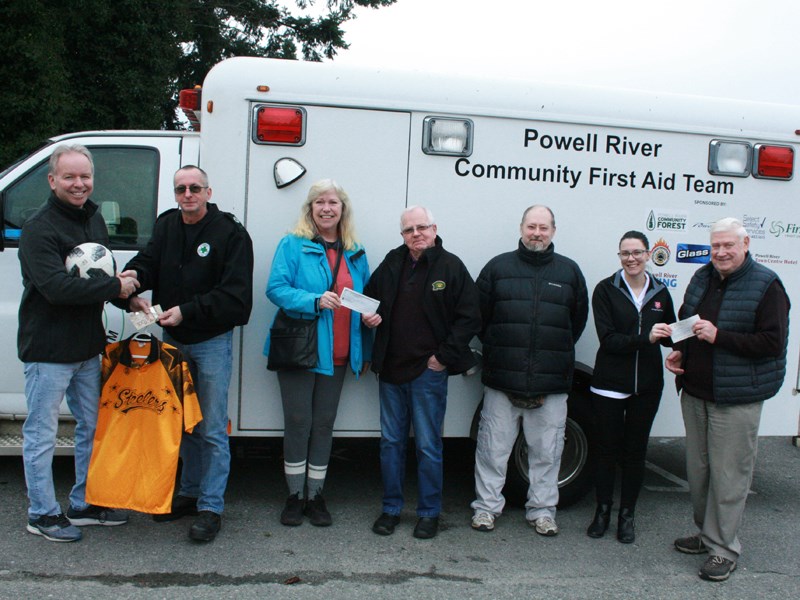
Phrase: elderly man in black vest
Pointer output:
(735, 361)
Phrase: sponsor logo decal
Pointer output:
(660, 253)
(666, 221)
(755, 226)
(789, 230)
(692, 253)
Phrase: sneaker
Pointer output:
(317, 512)
(182, 506)
(55, 528)
(717, 568)
(691, 545)
(545, 526)
(97, 515)
(483, 521)
(206, 526)
(292, 514)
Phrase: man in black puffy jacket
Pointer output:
(534, 306)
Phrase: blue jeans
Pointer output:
(206, 453)
(46, 384)
(421, 402)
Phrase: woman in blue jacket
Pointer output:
(311, 267)
(632, 312)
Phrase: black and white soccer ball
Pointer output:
(90, 260)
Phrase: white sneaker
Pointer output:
(544, 526)
(483, 521)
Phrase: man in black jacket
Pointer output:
(427, 317)
(60, 339)
(199, 264)
(534, 306)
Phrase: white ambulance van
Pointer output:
(477, 153)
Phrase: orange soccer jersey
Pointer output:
(145, 405)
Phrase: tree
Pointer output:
(93, 64)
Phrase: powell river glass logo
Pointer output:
(692, 253)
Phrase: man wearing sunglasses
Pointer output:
(199, 264)
(427, 317)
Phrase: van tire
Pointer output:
(576, 475)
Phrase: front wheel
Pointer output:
(575, 476)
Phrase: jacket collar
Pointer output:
(77, 214)
(536, 258)
(653, 288)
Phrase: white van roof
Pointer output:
(329, 84)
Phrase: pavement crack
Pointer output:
(188, 580)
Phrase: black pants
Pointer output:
(622, 429)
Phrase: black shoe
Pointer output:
(625, 526)
(602, 517)
(206, 526)
(182, 506)
(292, 514)
(385, 524)
(317, 512)
(426, 528)
(97, 515)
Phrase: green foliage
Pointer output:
(94, 64)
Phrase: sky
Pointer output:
(734, 48)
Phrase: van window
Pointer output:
(125, 189)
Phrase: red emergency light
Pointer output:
(773, 162)
(280, 125)
(190, 99)
(189, 103)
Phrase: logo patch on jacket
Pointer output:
(203, 249)
(438, 286)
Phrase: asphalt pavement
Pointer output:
(256, 557)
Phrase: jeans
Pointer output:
(206, 453)
(421, 402)
(46, 384)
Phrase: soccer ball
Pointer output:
(90, 260)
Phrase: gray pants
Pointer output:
(544, 434)
(310, 402)
(721, 444)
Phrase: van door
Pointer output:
(131, 174)
(366, 152)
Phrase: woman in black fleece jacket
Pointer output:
(632, 312)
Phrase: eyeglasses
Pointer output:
(194, 188)
(411, 230)
(634, 253)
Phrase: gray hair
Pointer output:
(428, 214)
(729, 224)
(203, 174)
(68, 149)
(547, 208)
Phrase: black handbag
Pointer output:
(293, 342)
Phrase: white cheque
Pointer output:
(359, 302)
(683, 329)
